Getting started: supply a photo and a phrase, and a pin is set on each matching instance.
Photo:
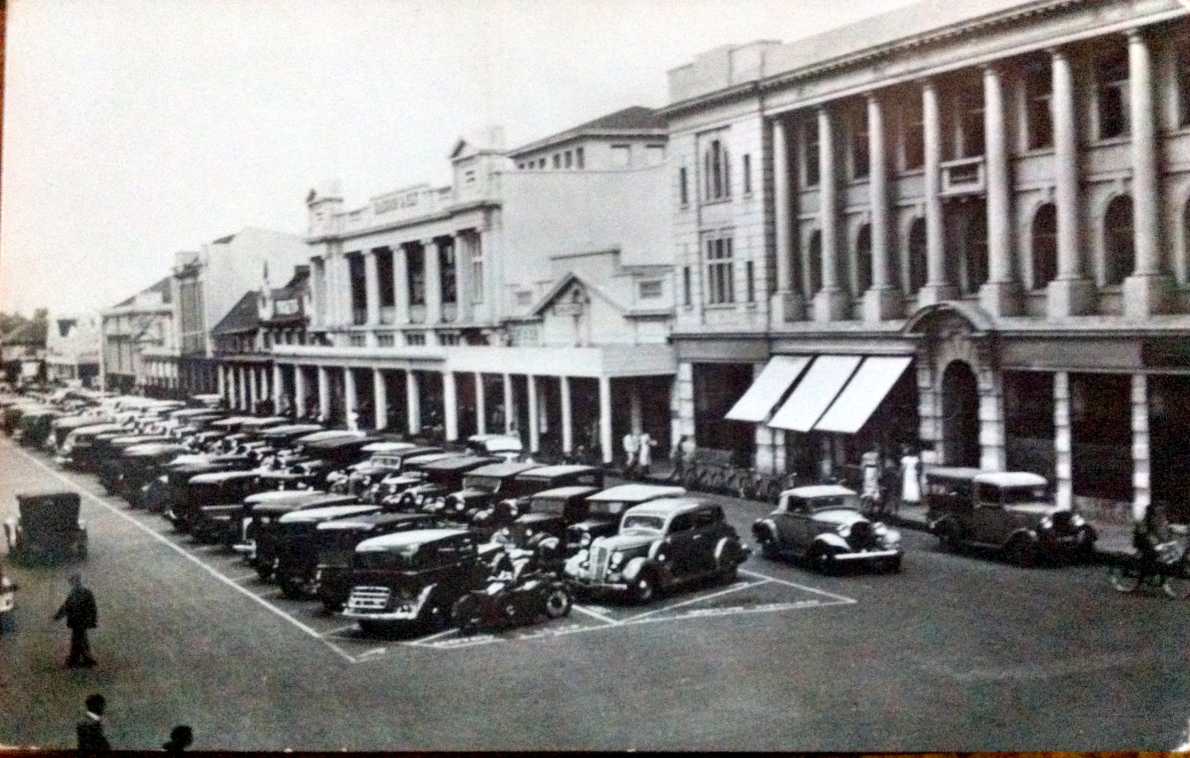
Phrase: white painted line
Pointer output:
(594, 615)
(187, 555)
(244, 578)
(340, 630)
(434, 636)
(740, 610)
(698, 599)
(824, 593)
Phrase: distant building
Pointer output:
(139, 347)
(72, 349)
(22, 353)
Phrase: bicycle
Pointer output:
(1168, 568)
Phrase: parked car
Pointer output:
(216, 500)
(483, 487)
(506, 509)
(64, 425)
(76, 451)
(259, 522)
(48, 526)
(142, 464)
(413, 577)
(335, 541)
(507, 447)
(519, 594)
(287, 434)
(661, 545)
(384, 458)
(1007, 510)
(428, 479)
(823, 524)
(36, 426)
(293, 538)
(606, 508)
(543, 528)
(112, 467)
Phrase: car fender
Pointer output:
(1024, 533)
(635, 567)
(728, 551)
(938, 524)
(831, 540)
(764, 528)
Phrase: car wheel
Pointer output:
(1086, 544)
(290, 587)
(768, 548)
(1124, 578)
(264, 571)
(331, 606)
(644, 588)
(557, 603)
(948, 536)
(893, 565)
(823, 560)
(374, 628)
(434, 617)
(465, 614)
(1022, 552)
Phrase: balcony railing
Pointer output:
(359, 316)
(964, 176)
(450, 312)
(388, 314)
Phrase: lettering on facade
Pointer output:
(395, 202)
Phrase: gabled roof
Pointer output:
(634, 119)
(560, 287)
(243, 316)
(161, 287)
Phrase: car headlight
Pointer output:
(616, 560)
(1077, 520)
(528, 533)
(1047, 523)
(844, 530)
(585, 540)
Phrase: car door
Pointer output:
(990, 522)
(680, 544)
(706, 523)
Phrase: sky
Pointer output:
(134, 129)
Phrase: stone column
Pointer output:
(567, 421)
(278, 387)
(350, 398)
(233, 395)
(220, 385)
(1063, 443)
(450, 403)
(462, 278)
(635, 412)
(380, 398)
(372, 287)
(413, 401)
(316, 299)
(299, 390)
(787, 302)
(883, 300)
(937, 287)
(246, 392)
(400, 285)
(605, 419)
(509, 404)
(1141, 486)
(534, 426)
(1149, 290)
(324, 392)
(1001, 294)
(830, 303)
(992, 451)
(433, 282)
(1072, 293)
(481, 406)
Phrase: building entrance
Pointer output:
(960, 415)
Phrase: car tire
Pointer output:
(331, 606)
(729, 573)
(1086, 544)
(948, 537)
(290, 587)
(1124, 578)
(464, 614)
(644, 588)
(264, 571)
(557, 603)
(1021, 552)
(823, 560)
(893, 565)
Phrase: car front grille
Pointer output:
(1063, 522)
(369, 598)
(862, 536)
(599, 559)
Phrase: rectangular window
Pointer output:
(720, 284)
(686, 297)
(356, 340)
(860, 160)
(416, 265)
(385, 340)
(1111, 78)
(384, 275)
(751, 284)
(650, 290)
(520, 166)
(682, 191)
(810, 153)
(913, 148)
(359, 291)
(970, 137)
(541, 163)
(621, 156)
(447, 275)
(524, 297)
(1039, 85)
(569, 158)
(717, 171)
(557, 160)
(415, 339)
(477, 285)
(747, 173)
(578, 157)
(448, 339)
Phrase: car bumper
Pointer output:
(391, 616)
(868, 555)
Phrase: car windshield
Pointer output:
(834, 501)
(642, 523)
(1019, 495)
(605, 508)
(387, 461)
(489, 483)
(552, 506)
(386, 559)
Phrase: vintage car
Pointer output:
(661, 544)
(823, 525)
(427, 480)
(293, 543)
(230, 424)
(604, 510)
(48, 526)
(259, 517)
(140, 465)
(518, 592)
(506, 509)
(384, 458)
(543, 529)
(257, 426)
(215, 500)
(36, 426)
(76, 450)
(1007, 510)
(287, 434)
(413, 577)
(504, 446)
(482, 488)
(112, 467)
(335, 541)
(64, 425)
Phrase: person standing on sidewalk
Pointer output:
(81, 615)
(90, 730)
(910, 478)
(647, 443)
(631, 445)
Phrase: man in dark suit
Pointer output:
(81, 614)
(90, 730)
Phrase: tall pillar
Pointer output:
(830, 303)
(1072, 293)
(400, 285)
(450, 405)
(567, 421)
(787, 302)
(253, 389)
(220, 385)
(379, 399)
(462, 278)
(372, 287)
(481, 406)
(1141, 486)
(350, 398)
(509, 404)
(993, 453)
(635, 412)
(278, 393)
(883, 300)
(245, 401)
(605, 419)
(937, 287)
(1149, 290)
(1001, 294)
(1063, 443)
(233, 395)
(299, 390)
(413, 401)
(433, 282)
(264, 391)
(534, 428)
(324, 392)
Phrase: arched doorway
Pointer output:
(960, 415)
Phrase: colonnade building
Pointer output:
(533, 294)
(960, 225)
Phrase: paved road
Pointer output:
(955, 653)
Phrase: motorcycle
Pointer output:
(1165, 565)
(517, 594)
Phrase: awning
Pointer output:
(863, 394)
(766, 391)
(814, 393)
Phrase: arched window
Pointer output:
(717, 171)
(814, 263)
(917, 255)
(863, 260)
(1119, 245)
(976, 253)
(1045, 246)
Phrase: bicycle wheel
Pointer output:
(1124, 578)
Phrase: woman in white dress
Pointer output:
(910, 478)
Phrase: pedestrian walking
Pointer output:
(180, 738)
(645, 456)
(631, 444)
(81, 615)
(888, 485)
(8, 600)
(910, 478)
(90, 730)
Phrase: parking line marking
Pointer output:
(185, 554)
(840, 598)
(433, 636)
(594, 615)
(244, 578)
(698, 599)
(340, 630)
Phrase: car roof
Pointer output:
(504, 469)
(259, 422)
(388, 447)
(327, 512)
(819, 490)
(218, 477)
(326, 434)
(154, 448)
(231, 421)
(574, 490)
(668, 506)
(348, 440)
(406, 539)
(279, 496)
(636, 493)
(293, 429)
(454, 462)
(551, 472)
(378, 518)
(953, 472)
(1011, 479)
(321, 500)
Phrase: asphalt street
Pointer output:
(957, 652)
